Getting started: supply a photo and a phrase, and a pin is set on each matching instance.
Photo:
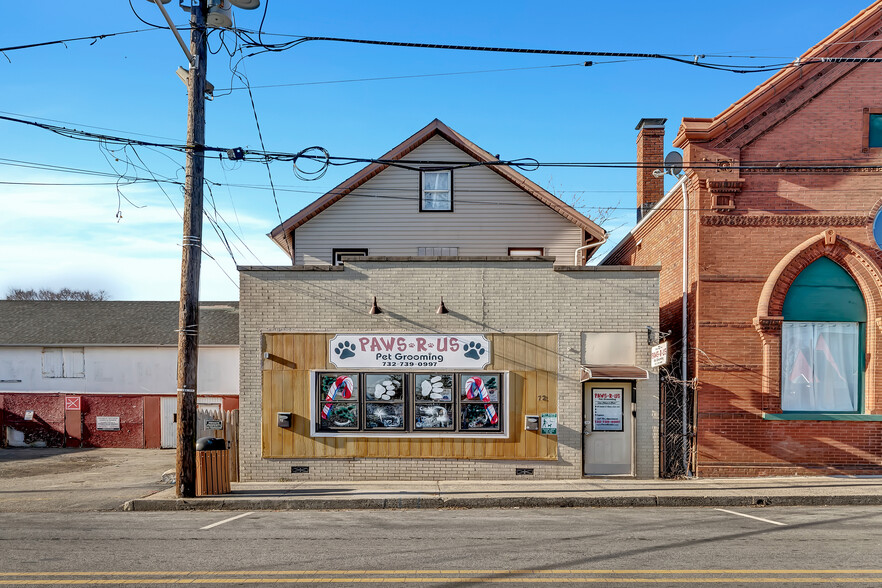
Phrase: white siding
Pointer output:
(490, 214)
(118, 370)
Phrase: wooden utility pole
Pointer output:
(191, 258)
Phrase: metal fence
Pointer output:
(677, 427)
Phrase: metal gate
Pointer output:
(207, 408)
(168, 425)
(677, 422)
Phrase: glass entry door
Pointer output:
(608, 428)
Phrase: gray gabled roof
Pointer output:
(48, 323)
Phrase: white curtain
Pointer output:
(436, 190)
(819, 367)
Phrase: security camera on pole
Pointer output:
(202, 13)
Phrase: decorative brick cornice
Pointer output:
(811, 169)
(785, 220)
(723, 192)
(715, 186)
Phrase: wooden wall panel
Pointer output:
(530, 360)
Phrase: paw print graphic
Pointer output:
(345, 350)
(473, 350)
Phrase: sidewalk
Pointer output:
(605, 492)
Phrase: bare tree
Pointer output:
(599, 214)
(62, 294)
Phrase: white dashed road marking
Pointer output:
(226, 521)
(751, 517)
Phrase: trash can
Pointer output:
(212, 467)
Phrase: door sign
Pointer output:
(607, 408)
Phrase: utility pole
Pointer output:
(191, 258)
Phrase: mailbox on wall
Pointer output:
(283, 420)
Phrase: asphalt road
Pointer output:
(658, 546)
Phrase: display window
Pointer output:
(338, 394)
(375, 402)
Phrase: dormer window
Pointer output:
(436, 189)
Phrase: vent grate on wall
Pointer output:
(299, 469)
(523, 471)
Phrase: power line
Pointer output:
(284, 188)
(693, 60)
(67, 122)
(412, 76)
(93, 38)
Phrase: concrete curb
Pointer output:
(256, 504)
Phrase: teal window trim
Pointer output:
(820, 416)
(874, 131)
(825, 292)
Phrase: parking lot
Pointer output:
(79, 480)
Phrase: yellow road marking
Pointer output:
(422, 572)
(453, 579)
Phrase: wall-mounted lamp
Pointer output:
(374, 308)
(441, 308)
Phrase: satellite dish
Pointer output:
(245, 4)
(674, 163)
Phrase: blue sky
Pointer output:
(54, 234)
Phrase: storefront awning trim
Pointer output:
(613, 372)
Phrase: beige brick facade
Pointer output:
(484, 295)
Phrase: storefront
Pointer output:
(493, 388)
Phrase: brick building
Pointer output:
(439, 323)
(783, 289)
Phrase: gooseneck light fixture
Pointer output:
(374, 308)
(441, 308)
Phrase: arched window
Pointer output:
(822, 341)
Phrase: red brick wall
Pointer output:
(736, 252)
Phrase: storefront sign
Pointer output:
(107, 423)
(549, 423)
(607, 407)
(659, 354)
(72, 402)
(410, 351)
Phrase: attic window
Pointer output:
(436, 189)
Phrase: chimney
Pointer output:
(650, 157)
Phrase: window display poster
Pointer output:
(607, 409)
